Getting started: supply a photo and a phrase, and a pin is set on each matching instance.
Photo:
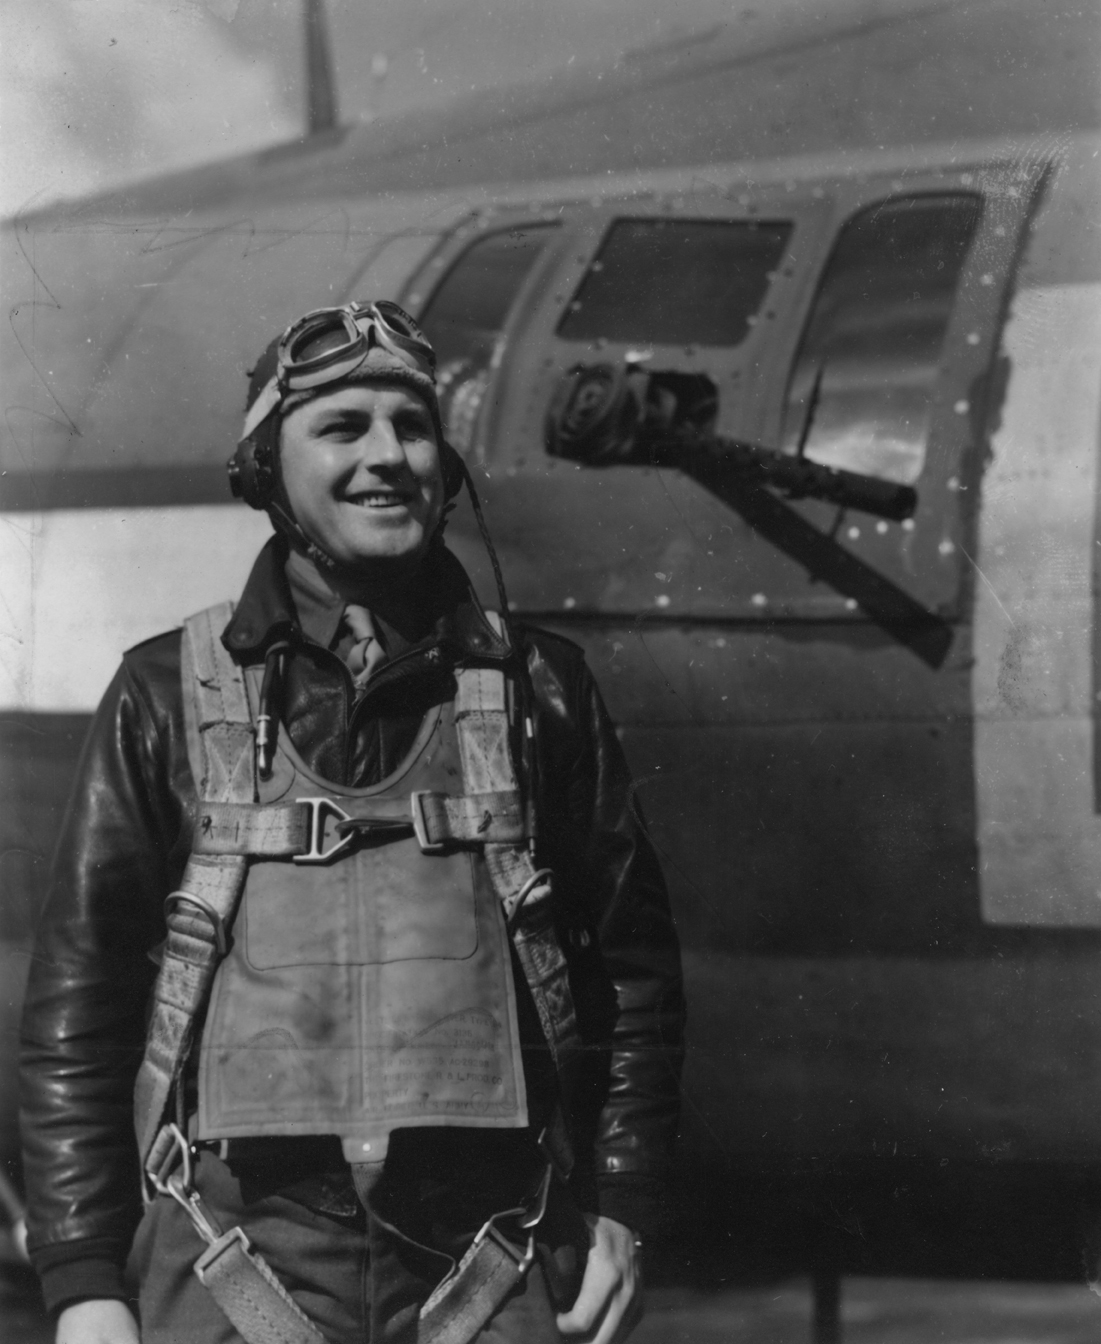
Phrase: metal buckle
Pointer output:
(523, 1258)
(514, 904)
(420, 823)
(169, 1149)
(534, 1215)
(204, 907)
(318, 807)
(526, 1219)
(489, 1231)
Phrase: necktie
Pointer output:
(367, 651)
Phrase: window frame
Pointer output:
(926, 562)
(732, 368)
(931, 566)
(420, 290)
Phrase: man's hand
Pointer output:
(609, 1305)
(97, 1321)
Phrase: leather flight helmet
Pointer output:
(370, 342)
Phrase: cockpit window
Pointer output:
(466, 315)
(676, 282)
(873, 343)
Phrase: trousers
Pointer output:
(358, 1277)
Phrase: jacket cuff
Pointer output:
(78, 1271)
(634, 1200)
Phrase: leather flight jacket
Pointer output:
(133, 823)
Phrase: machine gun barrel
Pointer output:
(797, 476)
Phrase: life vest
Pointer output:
(351, 944)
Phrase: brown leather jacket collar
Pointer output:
(266, 610)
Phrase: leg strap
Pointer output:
(238, 1278)
(493, 1266)
(468, 1297)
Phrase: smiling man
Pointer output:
(354, 924)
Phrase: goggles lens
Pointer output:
(326, 344)
(317, 338)
(398, 323)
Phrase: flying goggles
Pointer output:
(330, 343)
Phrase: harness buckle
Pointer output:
(420, 823)
(204, 907)
(521, 1256)
(170, 1150)
(538, 1208)
(318, 809)
(168, 1170)
(522, 1259)
(526, 1219)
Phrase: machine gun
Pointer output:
(603, 415)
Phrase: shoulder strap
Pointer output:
(482, 723)
(220, 734)
(220, 744)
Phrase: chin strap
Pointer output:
(286, 524)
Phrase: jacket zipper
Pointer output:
(386, 674)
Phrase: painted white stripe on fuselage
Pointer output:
(1039, 837)
(82, 585)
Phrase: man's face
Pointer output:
(361, 467)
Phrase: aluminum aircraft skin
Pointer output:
(866, 743)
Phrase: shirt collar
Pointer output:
(319, 608)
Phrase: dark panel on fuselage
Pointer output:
(818, 840)
(810, 788)
(975, 1059)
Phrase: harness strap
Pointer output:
(220, 750)
(243, 1285)
(494, 816)
(221, 738)
(237, 1277)
(482, 723)
(294, 830)
(462, 1304)
(196, 940)
(273, 831)
(464, 1300)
